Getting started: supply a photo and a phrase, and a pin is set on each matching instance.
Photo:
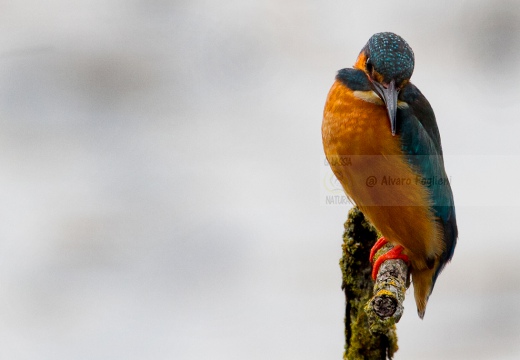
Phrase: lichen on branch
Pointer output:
(360, 342)
(385, 308)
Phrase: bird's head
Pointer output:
(388, 61)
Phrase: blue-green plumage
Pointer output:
(354, 79)
(421, 143)
(391, 55)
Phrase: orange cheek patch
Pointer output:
(361, 61)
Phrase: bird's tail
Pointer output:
(422, 288)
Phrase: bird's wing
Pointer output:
(421, 144)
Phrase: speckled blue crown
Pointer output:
(391, 56)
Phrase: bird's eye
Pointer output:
(369, 66)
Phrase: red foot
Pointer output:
(378, 245)
(394, 253)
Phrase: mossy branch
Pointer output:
(385, 308)
(369, 319)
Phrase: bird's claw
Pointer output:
(378, 245)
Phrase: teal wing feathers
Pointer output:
(421, 144)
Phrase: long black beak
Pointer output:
(389, 95)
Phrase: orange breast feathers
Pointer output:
(369, 163)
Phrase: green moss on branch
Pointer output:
(360, 342)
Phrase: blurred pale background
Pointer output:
(160, 167)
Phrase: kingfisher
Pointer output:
(378, 120)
